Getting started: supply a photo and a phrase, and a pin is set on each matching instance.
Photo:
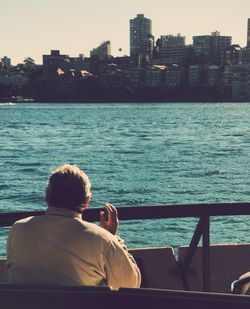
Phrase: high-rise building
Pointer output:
(170, 40)
(248, 32)
(6, 63)
(211, 47)
(141, 38)
(103, 51)
(171, 49)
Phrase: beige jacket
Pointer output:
(61, 248)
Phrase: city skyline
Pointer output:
(33, 28)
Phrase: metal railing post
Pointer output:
(198, 233)
(206, 254)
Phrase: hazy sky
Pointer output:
(34, 27)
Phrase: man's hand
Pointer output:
(111, 224)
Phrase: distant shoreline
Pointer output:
(121, 102)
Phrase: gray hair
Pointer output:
(68, 187)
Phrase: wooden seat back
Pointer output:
(4, 276)
(227, 263)
(158, 267)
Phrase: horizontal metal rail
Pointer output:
(202, 231)
(147, 212)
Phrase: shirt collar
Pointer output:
(56, 211)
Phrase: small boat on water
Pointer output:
(8, 103)
(194, 277)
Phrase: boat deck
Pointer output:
(199, 276)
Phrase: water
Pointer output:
(134, 154)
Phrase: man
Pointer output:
(61, 248)
(242, 286)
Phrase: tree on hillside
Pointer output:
(29, 64)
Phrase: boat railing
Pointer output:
(202, 231)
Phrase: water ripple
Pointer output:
(148, 154)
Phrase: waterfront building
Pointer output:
(203, 75)
(173, 75)
(155, 76)
(173, 54)
(194, 75)
(58, 83)
(103, 51)
(241, 82)
(63, 87)
(233, 55)
(6, 63)
(62, 75)
(213, 75)
(141, 39)
(171, 49)
(52, 62)
(227, 75)
(77, 63)
(111, 76)
(135, 77)
(16, 78)
(55, 60)
(210, 48)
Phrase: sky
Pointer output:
(31, 28)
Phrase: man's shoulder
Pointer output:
(92, 227)
(25, 222)
(96, 230)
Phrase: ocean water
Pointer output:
(134, 154)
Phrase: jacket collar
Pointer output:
(56, 211)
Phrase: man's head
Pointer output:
(68, 187)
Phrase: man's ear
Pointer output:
(87, 201)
